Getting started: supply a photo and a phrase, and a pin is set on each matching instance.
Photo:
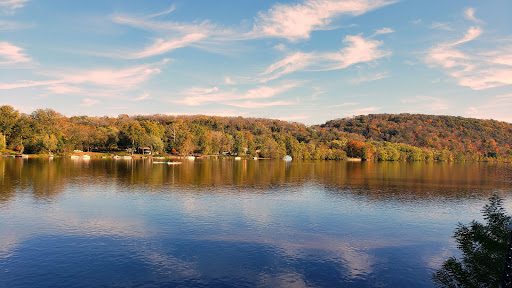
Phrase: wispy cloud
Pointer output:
(297, 21)
(362, 111)
(64, 89)
(470, 15)
(11, 54)
(172, 35)
(161, 46)
(123, 79)
(369, 78)
(432, 103)
(9, 6)
(294, 117)
(201, 96)
(357, 50)
(475, 69)
(142, 97)
(343, 104)
(88, 102)
(12, 25)
(497, 108)
(383, 30)
(256, 105)
(441, 26)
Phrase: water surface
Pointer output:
(225, 223)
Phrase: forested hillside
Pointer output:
(466, 137)
(383, 137)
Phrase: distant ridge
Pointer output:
(470, 136)
(382, 137)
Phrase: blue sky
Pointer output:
(307, 61)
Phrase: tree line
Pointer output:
(46, 131)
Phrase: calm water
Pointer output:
(224, 223)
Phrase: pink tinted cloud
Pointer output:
(297, 21)
(9, 6)
(357, 50)
(88, 102)
(201, 96)
(477, 70)
(11, 54)
(120, 79)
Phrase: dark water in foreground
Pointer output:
(225, 223)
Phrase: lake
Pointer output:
(226, 223)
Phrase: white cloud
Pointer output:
(12, 25)
(161, 46)
(162, 13)
(470, 35)
(229, 81)
(64, 89)
(425, 102)
(343, 104)
(280, 47)
(11, 54)
(358, 50)
(294, 117)
(201, 96)
(470, 15)
(172, 35)
(144, 96)
(88, 102)
(497, 108)
(27, 84)
(369, 78)
(361, 111)
(475, 69)
(441, 26)
(121, 79)
(383, 30)
(256, 105)
(297, 21)
(9, 6)
(127, 78)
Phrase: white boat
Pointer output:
(255, 158)
(74, 157)
(168, 163)
(190, 157)
(86, 157)
(287, 158)
(238, 158)
(127, 157)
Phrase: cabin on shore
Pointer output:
(144, 150)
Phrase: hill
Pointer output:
(466, 138)
(384, 137)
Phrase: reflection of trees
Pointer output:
(46, 179)
(484, 250)
(43, 177)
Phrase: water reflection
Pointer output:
(48, 178)
(234, 223)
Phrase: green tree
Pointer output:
(484, 250)
(8, 118)
(50, 142)
(134, 134)
(238, 145)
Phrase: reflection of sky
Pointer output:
(299, 235)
